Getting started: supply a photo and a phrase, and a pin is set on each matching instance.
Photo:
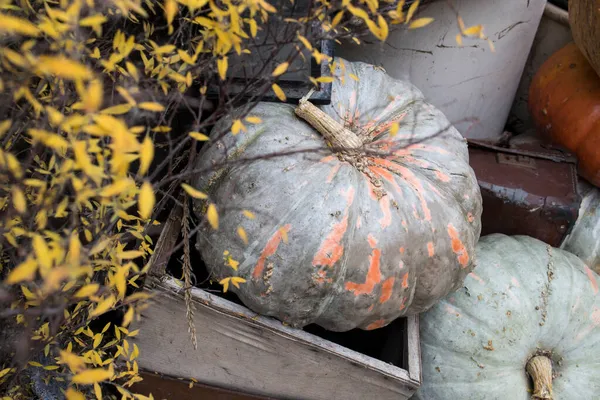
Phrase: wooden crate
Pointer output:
(241, 351)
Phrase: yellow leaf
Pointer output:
(237, 126)
(14, 25)
(281, 68)
(248, 214)
(383, 27)
(225, 283)
(242, 234)
(132, 71)
(116, 188)
(135, 352)
(476, 30)
(22, 272)
(117, 110)
(305, 42)
(236, 280)
(151, 106)
(170, 10)
(18, 199)
(394, 129)
(102, 307)
(146, 155)
(130, 255)
(41, 252)
(194, 192)
(62, 67)
(93, 99)
(72, 394)
(354, 77)
(125, 94)
(13, 165)
(146, 200)
(49, 139)
(97, 340)
(97, 391)
(278, 92)
(411, 11)
(253, 120)
(87, 290)
(222, 67)
(91, 376)
(325, 79)
(459, 40)
(212, 216)
(336, 20)
(5, 371)
(199, 136)
(420, 23)
(5, 126)
(128, 317)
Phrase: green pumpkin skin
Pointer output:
(584, 238)
(353, 258)
(524, 297)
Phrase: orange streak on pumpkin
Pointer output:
(386, 220)
(375, 325)
(405, 281)
(442, 176)
(331, 249)
(333, 172)
(326, 159)
(387, 176)
(430, 249)
(322, 278)
(470, 217)
(269, 250)
(373, 275)
(412, 180)
(403, 304)
(476, 277)
(433, 189)
(458, 247)
(358, 222)
(592, 279)
(386, 290)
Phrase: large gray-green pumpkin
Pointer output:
(524, 299)
(584, 239)
(343, 239)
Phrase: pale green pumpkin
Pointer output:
(524, 298)
(584, 238)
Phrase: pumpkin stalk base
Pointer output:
(337, 135)
(540, 370)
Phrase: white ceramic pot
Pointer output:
(464, 82)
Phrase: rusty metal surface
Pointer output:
(527, 189)
(163, 387)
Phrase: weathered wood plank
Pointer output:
(243, 351)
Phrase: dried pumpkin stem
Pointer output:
(332, 131)
(540, 370)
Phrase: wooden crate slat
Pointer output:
(242, 351)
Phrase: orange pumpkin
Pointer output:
(564, 102)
